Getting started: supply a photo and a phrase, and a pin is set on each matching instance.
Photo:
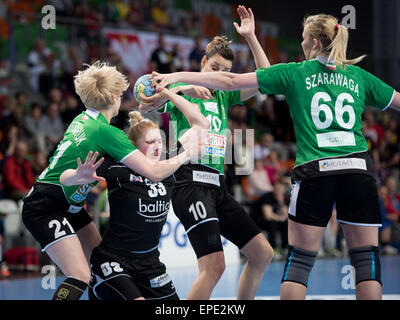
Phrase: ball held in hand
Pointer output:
(143, 86)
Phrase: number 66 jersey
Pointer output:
(326, 103)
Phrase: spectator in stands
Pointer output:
(136, 14)
(178, 64)
(258, 181)
(160, 58)
(373, 130)
(160, 16)
(196, 55)
(39, 163)
(9, 140)
(18, 174)
(32, 130)
(52, 126)
(393, 197)
(389, 219)
(37, 58)
(270, 213)
(19, 107)
(262, 150)
(4, 272)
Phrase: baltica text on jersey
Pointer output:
(336, 79)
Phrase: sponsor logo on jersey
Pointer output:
(155, 209)
(211, 106)
(206, 177)
(82, 192)
(216, 145)
(160, 281)
(133, 178)
(342, 164)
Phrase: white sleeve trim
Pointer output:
(390, 102)
(124, 158)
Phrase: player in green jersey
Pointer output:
(326, 94)
(53, 211)
(200, 198)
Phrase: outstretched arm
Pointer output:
(247, 31)
(396, 101)
(220, 80)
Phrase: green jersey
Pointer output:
(89, 131)
(326, 103)
(215, 110)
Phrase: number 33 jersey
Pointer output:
(89, 131)
(326, 103)
(138, 208)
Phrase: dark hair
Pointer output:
(219, 45)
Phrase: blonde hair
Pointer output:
(219, 45)
(97, 85)
(139, 125)
(332, 36)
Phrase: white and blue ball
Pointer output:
(143, 86)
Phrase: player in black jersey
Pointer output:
(126, 265)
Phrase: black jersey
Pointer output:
(138, 208)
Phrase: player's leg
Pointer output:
(359, 214)
(90, 238)
(237, 226)
(206, 242)
(304, 243)
(68, 255)
(309, 213)
(195, 208)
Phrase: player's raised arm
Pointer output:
(247, 30)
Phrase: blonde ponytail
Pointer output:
(139, 125)
(332, 36)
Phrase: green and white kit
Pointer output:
(89, 131)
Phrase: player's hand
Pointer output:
(153, 102)
(197, 92)
(86, 172)
(247, 24)
(161, 80)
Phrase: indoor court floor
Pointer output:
(329, 280)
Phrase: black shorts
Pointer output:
(355, 196)
(45, 214)
(207, 213)
(123, 276)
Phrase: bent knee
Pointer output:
(213, 265)
(258, 251)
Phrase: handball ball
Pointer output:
(143, 85)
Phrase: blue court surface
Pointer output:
(331, 279)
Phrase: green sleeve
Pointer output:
(169, 107)
(275, 79)
(233, 97)
(377, 93)
(114, 142)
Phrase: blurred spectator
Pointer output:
(372, 130)
(18, 107)
(32, 131)
(18, 174)
(389, 219)
(39, 164)
(160, 16)
(37, 59)
(5, 76)
(389, 152)
(270, 213)
(177, 64)
(136, 14)
(393, 197)
(52, 126)
(4, 272)
(69, 110)
(9, 140)
(160, 58)
(258, 181)
(263, 149)
(196, 55)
